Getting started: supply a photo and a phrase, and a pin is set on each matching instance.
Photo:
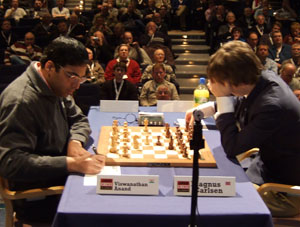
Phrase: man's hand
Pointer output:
(219, 89)
(75, 149)
(87, 164)
(189, 117)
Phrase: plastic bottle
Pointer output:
(201, 93)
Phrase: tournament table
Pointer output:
(81, 206)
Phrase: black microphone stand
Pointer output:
(196, 144)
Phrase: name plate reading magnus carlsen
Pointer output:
(207, 186)
(128, 184)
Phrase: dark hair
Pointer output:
(120, 65)
(65, 51)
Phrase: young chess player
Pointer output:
(256, 109)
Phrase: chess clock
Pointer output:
(154, 119)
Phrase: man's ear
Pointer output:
(49, 66)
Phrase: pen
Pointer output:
(95, 150)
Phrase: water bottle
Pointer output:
(201, 93)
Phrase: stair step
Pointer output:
(189, 41)
(192, 59)
(190, 48)
(190, 71)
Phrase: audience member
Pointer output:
(159, 3)
(297, 94)
(181, 10)
(294, 35)
(236, 34)
(267, 38)
(262, 53)
(161, 26)
(45, 31)
(82, 19)
(260, 28)
(287, 73)
(252, 40)
(23, 52)
(133, 69)
(295, 59)
(76, 30)
(42, 130)
(110, 19)
(60, 11)
(15, 12)
(263, 113)
(122, 5)
(148, 93)
(8, 36)
(119, 88)
(149, 11)
(285, 12)
(163, 92)
(224, 31)
(246, 22)
(38, 10)
(99, 25)
(62, 27)
(100, 47)
(135, 51)
(279, 51)
(94, 69)
(117, 36)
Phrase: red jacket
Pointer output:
(133, 71)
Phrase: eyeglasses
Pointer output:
(74, 76)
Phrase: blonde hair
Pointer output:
(236, 63)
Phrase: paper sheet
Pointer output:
(91, 180)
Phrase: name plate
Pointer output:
(207, 186)
(119, 106)
(128, 184)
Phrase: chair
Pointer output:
(8, 196)
(293, 189)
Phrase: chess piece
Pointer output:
(146, 125)
(125, 150)
(147, 140)
(113, 148)
(171, 143)
(115, 123)
(158, 143)
(135, 142)
(186, 127)
(168, 133)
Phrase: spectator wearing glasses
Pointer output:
(43, 132)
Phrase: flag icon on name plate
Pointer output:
(228, 183)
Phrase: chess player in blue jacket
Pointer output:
(256, 108)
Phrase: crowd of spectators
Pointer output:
(136, 33)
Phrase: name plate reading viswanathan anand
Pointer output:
(128, 184)
(207, 186)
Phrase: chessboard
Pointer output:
(150, 146)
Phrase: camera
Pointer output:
(95, 38)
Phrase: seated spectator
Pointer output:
(122, 6)
(15, 12)
(132, 20)
(118, 35)
(76, 30)
(133, 69)
(95, 70)
(224, 31)
(45, 31)
(119, 88)
(99, 25)
(287, 73)
(163, 92)
(135, 51)
(140, 4)
(262, 53)
(161, 26)
(100, 47)
(110, 18)
(8, 36)
(252, 40)
(246, 22)
(60, 10)
(38, 10)
(267, 38)
(269, 17)
(96, 5)
(159, 58)
(149, 11)
(113, 11)
(181, 9)
(82, 19)
(62, 27)
(285, 12)
(260, 28)
(295, 59)
(279, 51)
(236, 34)
(294, 35)
(148, 93)
(23, 52)
(159, 3)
